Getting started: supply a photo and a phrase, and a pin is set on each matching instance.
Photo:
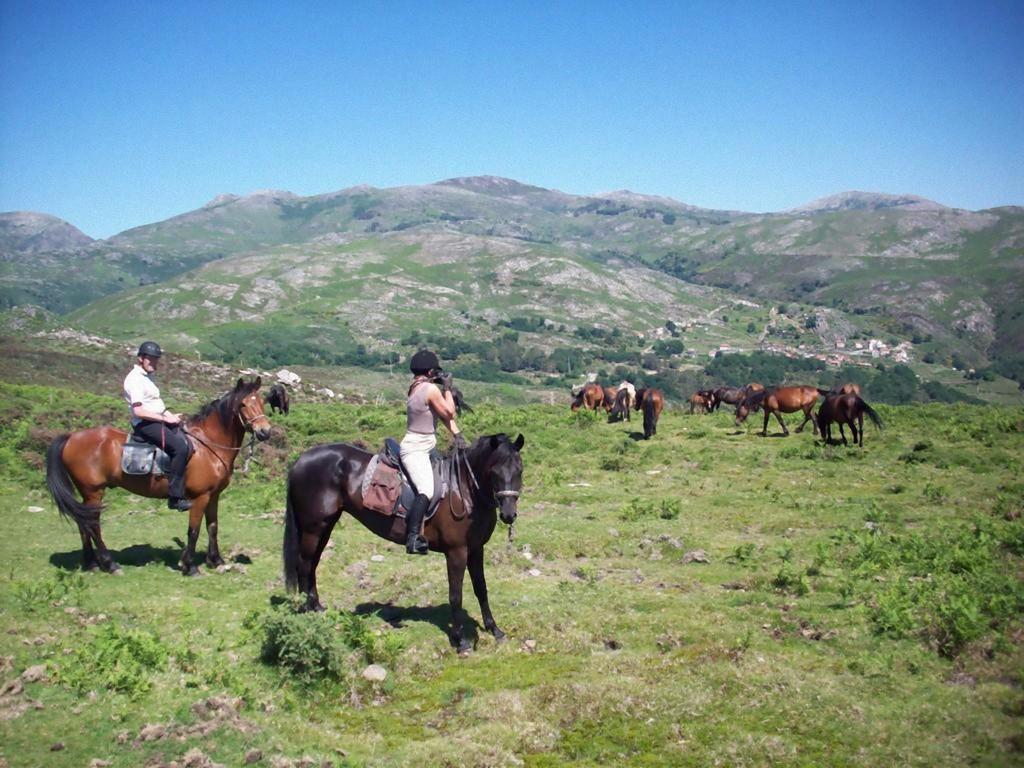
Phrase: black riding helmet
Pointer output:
(150, 349)
(423, 362)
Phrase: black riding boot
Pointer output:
(415, 544)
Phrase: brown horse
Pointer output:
(609, 398)
(733, 395)
(778, 401)
(701, 401)
(623, 404)
(651, 402)
(845, 409)
(591, 397)
(90, 460)
(849, 388)
(327, 480)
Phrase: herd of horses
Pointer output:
(842, 405)
(328, 480)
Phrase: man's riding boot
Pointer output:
(176, 494)
(415, 544)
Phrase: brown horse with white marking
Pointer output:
(591, 397)
(90, 460)
(651, 402)
(778, 401)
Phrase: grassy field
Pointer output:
(705, 597)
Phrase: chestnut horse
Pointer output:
(845, 409)
(591, 397)
(702, 400)
(327, 480)
(609, 398)
(778, 401)
(90, 460)
(651, 402)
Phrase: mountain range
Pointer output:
(368, 266)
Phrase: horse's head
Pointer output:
(501, 473)
(250, 408)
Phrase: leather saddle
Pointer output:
(139, 457)
(390, 457)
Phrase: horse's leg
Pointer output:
(213, 557)
(92, 531)
(456, 573)
(195, 521)
(89, 562)
(860, 426)
(767, 415)
(842, 434)
(476, 573)
(778, 415)
(311, 548)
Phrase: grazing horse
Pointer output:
(90, 460)
(733, 395)
(845, 409)
(609, 398)
(327, 480)
(702, 400)
(623, 404)
(277, 399)
(651, 402)
(778, 401)
(591, 397)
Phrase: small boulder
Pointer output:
(375, 673)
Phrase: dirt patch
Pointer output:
(211, 714)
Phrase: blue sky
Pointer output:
(117, 114)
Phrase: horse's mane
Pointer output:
(225, 406)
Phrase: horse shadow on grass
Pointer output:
(137, 555)
(438, 615)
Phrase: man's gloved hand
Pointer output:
(459, 442)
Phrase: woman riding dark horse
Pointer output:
(90, 460)
(845, 409)
(328, 480)
(429, 399)
(650, 402)
(778, 401)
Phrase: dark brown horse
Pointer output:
(778, 401)
(733, 395)
(591, 397)
(327, 480)
(651, 402)
(277, 399)
(845, 409)
(90, 460)
(623, 404)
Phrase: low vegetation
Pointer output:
(707, 596)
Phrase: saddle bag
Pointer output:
(382, 487)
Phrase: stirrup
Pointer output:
(181, 505)
(416, 545)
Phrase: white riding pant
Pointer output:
(415, 454)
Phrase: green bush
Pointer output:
(118, 659)
(313, 647)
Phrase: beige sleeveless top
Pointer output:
(418, 416)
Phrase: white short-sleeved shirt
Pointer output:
(140, 388)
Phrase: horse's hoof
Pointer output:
(193, 571)
(464, 648)
(214, 563)
(116, 571)
(499, 636)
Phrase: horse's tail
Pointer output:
(649, 414)
(290, 547)
(875, 418)
(59, 483)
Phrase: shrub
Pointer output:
(118, 659)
